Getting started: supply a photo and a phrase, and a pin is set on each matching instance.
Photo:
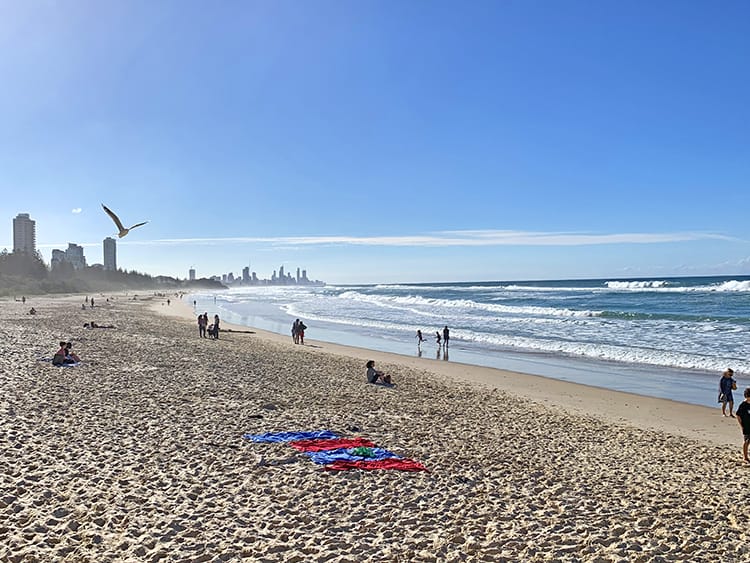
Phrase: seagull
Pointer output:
(116, 219)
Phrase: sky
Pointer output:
(382, 141)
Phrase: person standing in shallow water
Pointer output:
(446, 336)
(726, 385)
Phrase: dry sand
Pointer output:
(138, 455)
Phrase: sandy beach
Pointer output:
(138, 453)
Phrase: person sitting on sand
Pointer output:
(726, 385)
(64, 356)
(32, 311)
(70, 355)
(59, 358)
(743, 418)
(373, 375)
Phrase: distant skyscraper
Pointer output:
(110, 254)
(298, 278)
(24, 234)
(58, 257)
(191, 274)
(246, 274)
(74, 255)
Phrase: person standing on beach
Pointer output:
(202, 322)
(420, 338)
(726, 385)
(743, 418)
(295, 331)
(301, 332)
(216, 326)
(446, 336)
(437, 337)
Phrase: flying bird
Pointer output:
(116, 219)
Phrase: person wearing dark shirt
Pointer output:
(743, 418)
(446, 336)
(726, 385)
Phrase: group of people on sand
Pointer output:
(441, 340)
(206, 330)
(65, 355)
(727, 384)
(298, 332)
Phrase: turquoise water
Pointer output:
(663, 337)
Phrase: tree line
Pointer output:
(27, 274)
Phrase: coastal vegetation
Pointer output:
(22, 273)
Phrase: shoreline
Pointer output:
(663, 415)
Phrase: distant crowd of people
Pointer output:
(442, 340)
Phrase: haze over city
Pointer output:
(381, 142)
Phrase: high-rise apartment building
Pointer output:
(191, 274)
(24, 234)
(110, 254)
(74, 255)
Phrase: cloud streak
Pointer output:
(476, 238)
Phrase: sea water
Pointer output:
(667, 337)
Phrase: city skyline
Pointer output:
(24, 241)
(384, 143)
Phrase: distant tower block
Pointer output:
(24, 234)
(191, 274)
(110, 254)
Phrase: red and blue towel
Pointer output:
(339, 454)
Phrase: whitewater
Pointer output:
(665, 337)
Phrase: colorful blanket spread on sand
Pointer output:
(350, 454)
(332, 444)
(49, 361)
(339, 454)
(394, 463)
(276, 437)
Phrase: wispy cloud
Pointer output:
(76, 210)
(454, 238)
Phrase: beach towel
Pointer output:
(279, 437)
(49, 361)
(392, 463)
(332, 444)
(348, 454)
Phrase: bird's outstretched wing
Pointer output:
(138, 225)
(114, 217)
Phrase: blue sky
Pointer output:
(383, 141)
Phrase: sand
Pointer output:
(138, 455)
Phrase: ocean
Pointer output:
(667, 337)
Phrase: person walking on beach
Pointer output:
(301, 332)
(726, 385)
(743, 418)
(446, 336)
(437, 337)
